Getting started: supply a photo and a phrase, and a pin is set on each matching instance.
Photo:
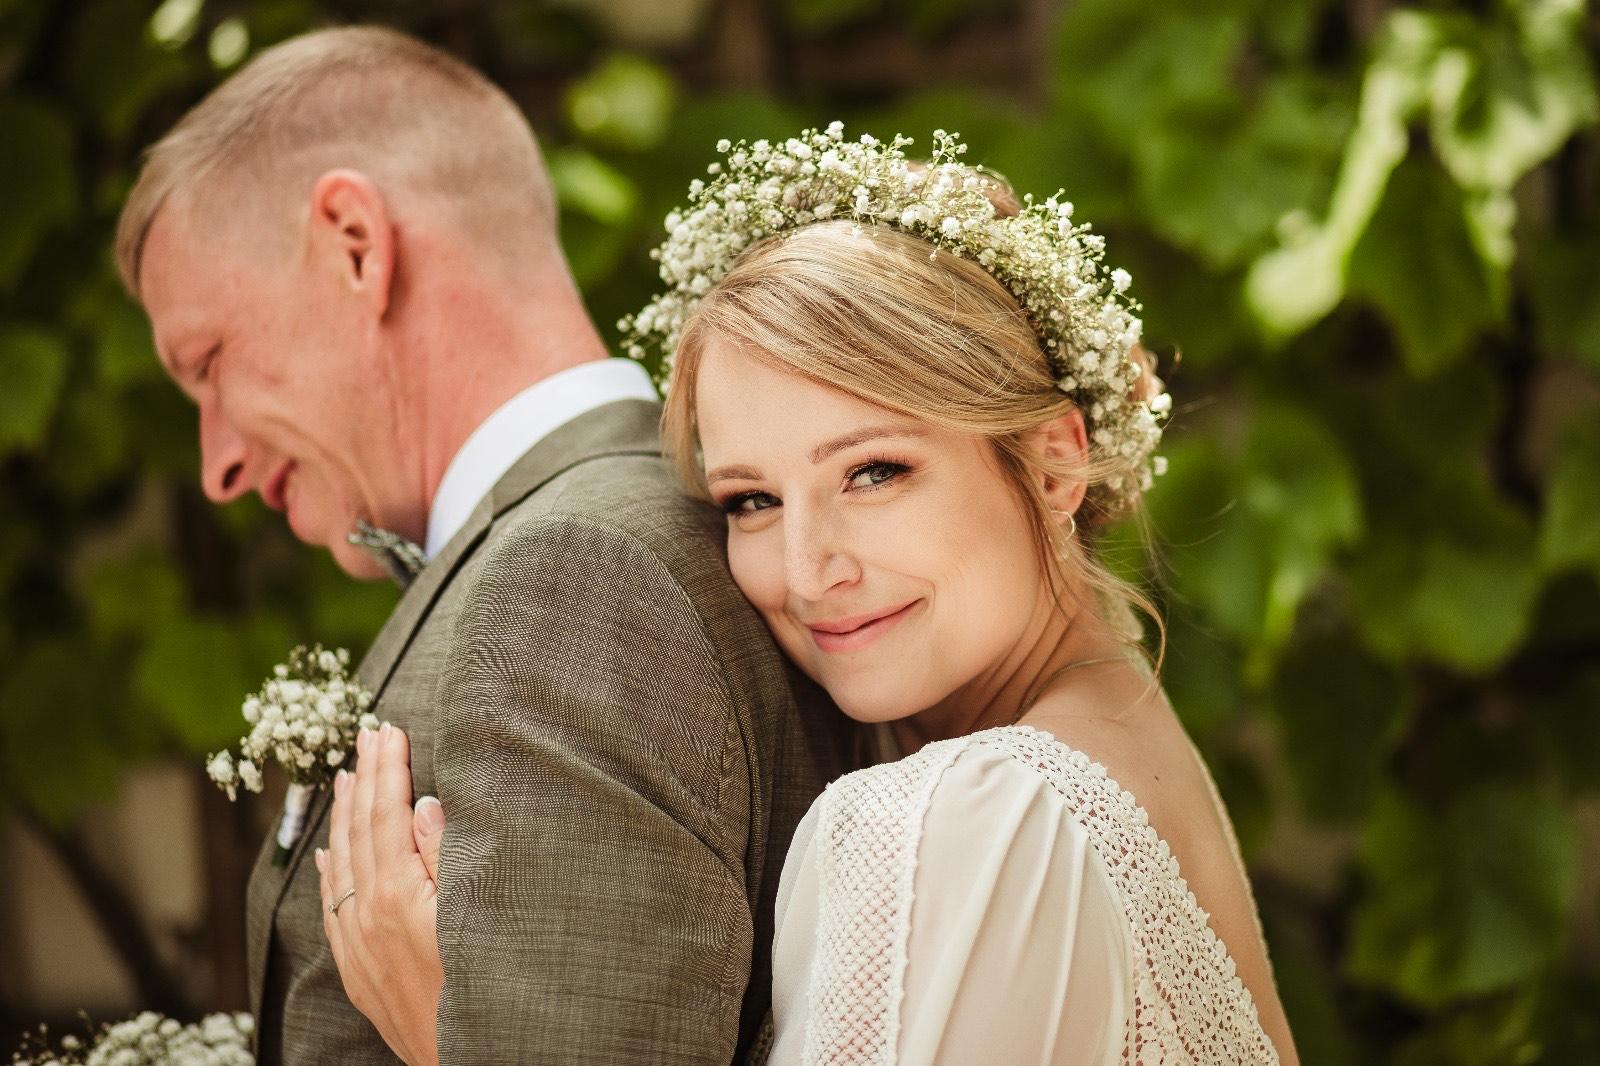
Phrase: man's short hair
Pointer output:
(417, 120)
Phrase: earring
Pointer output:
(1072, 522)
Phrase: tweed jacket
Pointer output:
(622, 754)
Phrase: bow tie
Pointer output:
(403, 559)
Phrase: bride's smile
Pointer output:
(890, 557)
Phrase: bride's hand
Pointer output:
(380, 900)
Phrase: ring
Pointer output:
(333, 908)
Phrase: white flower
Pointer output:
(1121, 279)
(724, 144)
(1161, 403)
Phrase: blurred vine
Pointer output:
(1367, 238)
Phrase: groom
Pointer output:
(349, 256)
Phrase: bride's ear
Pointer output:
(1064, 444)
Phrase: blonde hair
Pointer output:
(880, 316)
(417, 120)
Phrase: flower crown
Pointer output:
(1086, 326)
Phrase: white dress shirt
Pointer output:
(516, 426)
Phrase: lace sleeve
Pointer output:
(948, 909)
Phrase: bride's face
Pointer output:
(890, 559)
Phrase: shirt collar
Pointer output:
(516, 426)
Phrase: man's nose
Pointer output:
(816, 559)
(222, 456)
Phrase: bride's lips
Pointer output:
(849, 634)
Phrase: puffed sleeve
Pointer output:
(1019, 950)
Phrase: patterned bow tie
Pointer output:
(403, 559)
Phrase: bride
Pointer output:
(918, 401)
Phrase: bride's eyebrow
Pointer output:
(824, 450)
(862, 436)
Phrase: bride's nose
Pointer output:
(816, 558)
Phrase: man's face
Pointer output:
(256, 330)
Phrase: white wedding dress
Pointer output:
(996, 898)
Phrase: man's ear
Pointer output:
(350, 229)
(1065, 440)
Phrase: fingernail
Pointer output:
(385, 736)
(338, 782)
(430, 814)
(322, 865)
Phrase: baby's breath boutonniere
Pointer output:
(306, 718)
(149, 1039)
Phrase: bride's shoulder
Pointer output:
(1011, 763)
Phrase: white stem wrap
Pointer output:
(295, 804)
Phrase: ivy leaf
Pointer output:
(113, 68)
(1565, 292)
(626, 102)
(1294, 285)
(33, 371)
(1465, 903)
(1419, 264)
(1570, 530)
(587, 184)
(1338, 710)
(1506, 97)
(195, 672)
(39, 178)
(63, 738)
(1258, 533)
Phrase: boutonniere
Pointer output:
(305, 717)
(149, 1039)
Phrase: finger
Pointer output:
(330, 925)
(361, 789)
(427, 830)
(394, 847)
(341, 877)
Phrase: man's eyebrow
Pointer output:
(824, 450)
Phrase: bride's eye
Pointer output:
(875, 474)
(749, 503)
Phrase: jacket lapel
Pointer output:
(627, 427)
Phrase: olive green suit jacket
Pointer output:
(623, 756)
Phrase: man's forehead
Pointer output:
(179, 282)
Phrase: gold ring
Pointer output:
(333, 908)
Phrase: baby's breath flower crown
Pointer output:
(1085, 323)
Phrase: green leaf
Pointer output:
(1464, 903)
(1505, 99)
(195, 672)
(114, 68)
(129, 595)
(1338, 711)
(38, 178)
(1565, 292)
(626, 102)
(1418, 262)
(1293, 286)
(1251, 538)
(64, 736)
(588, 184)
(33, 371)
(1570, 531)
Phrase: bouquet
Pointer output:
(149, 1038)
(306, 718)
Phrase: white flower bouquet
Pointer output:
(305, 718)
(149, 1039)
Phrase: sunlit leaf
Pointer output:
(1465, 902)
(586, 183)
(626, 103)
(1293, 286)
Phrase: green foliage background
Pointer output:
(1373, 233)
